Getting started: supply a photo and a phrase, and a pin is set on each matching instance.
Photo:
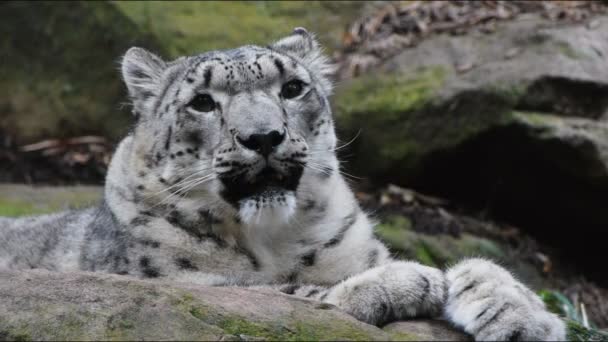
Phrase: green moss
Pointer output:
(14, 336)
(400, 336)
(238, 326)
(17, 208)
(568, 51)
(18, 200)
(297, 331)
(536, 119)
(434, 250)
(198, 312)
(403, 119)
(192, 27)
(423, 255)
(577, 332)
(389, 95)
(71, 85)
(187, 303)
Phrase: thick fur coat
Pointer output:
(230, 177)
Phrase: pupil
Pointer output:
(203, 103)
(292, 89)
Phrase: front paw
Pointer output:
(487, 302)
(395, 291)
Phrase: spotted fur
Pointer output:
(187, 198)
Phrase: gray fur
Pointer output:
(171, 212)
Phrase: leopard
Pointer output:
(230, 177)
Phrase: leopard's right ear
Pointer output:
(142, 72)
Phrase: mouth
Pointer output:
(267, 183)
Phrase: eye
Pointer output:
(292, 89)
(202, 103)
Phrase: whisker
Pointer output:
(339, 147)
(321, 166)
(185, 180)
(180, 192)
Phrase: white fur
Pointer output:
(167, 215)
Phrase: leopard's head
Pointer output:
(248, 128)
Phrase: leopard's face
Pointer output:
(248, 127)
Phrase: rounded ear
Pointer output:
(303, 45)
(299, 43)
(141, 72)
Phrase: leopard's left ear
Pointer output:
(303, 45)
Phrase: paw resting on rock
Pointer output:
(486, 301)
(392, 292)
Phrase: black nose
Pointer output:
(263, 143)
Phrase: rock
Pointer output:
(427, 330)
(59, 69)
(521, 137)
(41, 305)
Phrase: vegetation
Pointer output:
(189, 27)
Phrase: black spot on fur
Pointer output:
(146, 95)
(207, 77)
(372, 258)
(426, 287)
(168, 138)
(482, 313)
(311, 293)
(169, 82)
(150, 243)
(279, 66)
(289, 289)
(252, 259)
(140, 221)
(466, 288)
(209, 218)
(494, 317)
(309, 258)
(185, 264)
(515, 336)
(348, 222)
(194, 138)
(309, 205)
(147, 269)
(291, 277)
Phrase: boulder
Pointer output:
(59, 69)
(512, 124)
(41, 305)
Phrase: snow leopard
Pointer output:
(229, 177)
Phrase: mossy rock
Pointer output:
(435, 250)
(194, 27)
(41, 305)
(444, 250)
(400, 120)
(59, 69)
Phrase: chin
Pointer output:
(271, 208)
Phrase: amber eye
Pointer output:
(292, 89)
(202, 103)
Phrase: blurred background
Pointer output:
(471, 128)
